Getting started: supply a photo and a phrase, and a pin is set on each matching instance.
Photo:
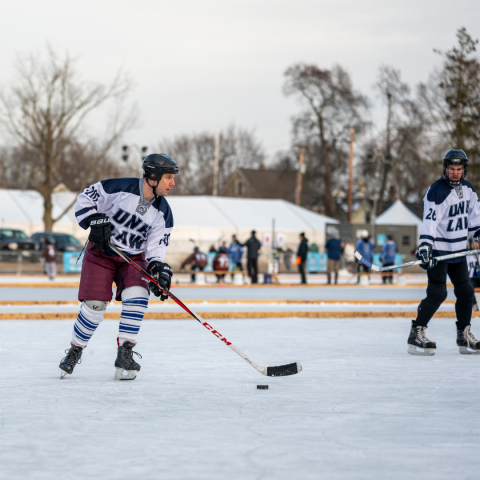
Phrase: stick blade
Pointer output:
(366, 262)
(284, 370)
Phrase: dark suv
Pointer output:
(63, 241)
(12, 240)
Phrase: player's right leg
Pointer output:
(95, 292)
(89, 318)
(418, 343)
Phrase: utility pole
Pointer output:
(350, 175)
(301, 171)
(215, 168)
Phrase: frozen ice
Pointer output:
(295, 293)
(362, 408)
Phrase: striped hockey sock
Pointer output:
(134, 306)
(85, 325)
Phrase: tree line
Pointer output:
(43, 116)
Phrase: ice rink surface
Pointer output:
(243, 293)
(362, 408)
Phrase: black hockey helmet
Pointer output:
(455, 157)
(156, 164)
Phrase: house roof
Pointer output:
(271, 183)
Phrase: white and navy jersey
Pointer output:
(473, 266)
(449, 214)
(138, 226)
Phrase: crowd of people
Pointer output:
(226, 256)
(340, 254)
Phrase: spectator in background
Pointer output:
(388, 257)
(473, 270)
(235, 252)
(49, 255)
(253, 249)
(221, 262)
(287, 258)
(334, 248)
(212, 249)
(365, 248)
(197, 260)
(302, 257)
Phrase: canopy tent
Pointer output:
(23, 210)
(399, 214)
(204, 219)
(210, 220)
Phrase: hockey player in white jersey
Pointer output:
(451, 211)
(133, 215)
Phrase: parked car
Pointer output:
(12, 240)
(63, 241)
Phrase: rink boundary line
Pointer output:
(230, 315)
(228, 285)
(223, 301)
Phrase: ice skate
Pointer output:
(74, 356)
(467, 343)
(418, 343)
(127, 368)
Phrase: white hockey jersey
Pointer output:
(449, 214)
(138, 226)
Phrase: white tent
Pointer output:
(204, 219)
(209, 220)
(23, 210)
(399, 214)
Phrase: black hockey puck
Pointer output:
(262, 387)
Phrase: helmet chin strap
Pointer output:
(154, 188)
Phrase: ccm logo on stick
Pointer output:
(217, 334)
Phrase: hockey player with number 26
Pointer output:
(133, 215)
(451, 211)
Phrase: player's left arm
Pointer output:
(474, 216)
(156, 247)
(157, 242)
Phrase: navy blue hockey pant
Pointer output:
(437, 293)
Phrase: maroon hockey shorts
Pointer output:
(100, 270)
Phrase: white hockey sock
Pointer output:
(134, 306)
(86, 324)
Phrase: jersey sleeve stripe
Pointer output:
(84, 210)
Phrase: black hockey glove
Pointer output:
(100, 230)
(162, 273)
(424, 253)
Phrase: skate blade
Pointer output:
(62, 373)
(130, 374)
(468, 351)
(412, 350)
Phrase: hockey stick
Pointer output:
(410, 264)
(280, 371)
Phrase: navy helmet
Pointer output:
(455, 157)
(156, 164)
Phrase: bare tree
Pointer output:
(332, 107)
(44, 112)
(77, 166)
(195, 155)
(451, 100)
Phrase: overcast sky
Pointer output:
(200, 65)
